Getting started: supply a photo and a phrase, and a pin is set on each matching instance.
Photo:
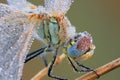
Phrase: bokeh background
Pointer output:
(101, 18)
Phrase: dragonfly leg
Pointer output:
(86, 69)
(35, 54)
(43, 56)
(51, 68)
(71, 62)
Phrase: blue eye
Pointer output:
(73, 51)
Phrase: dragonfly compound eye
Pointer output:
(82, 46)
(84, 42)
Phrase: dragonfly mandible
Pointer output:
(55, 30)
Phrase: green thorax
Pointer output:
(49, 31)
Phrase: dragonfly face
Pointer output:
(81, 47)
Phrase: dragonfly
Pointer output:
(54, 29)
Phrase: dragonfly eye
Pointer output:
(84, 42)
(81, 46)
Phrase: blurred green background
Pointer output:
(101, 18)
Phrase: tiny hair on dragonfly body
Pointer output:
(54, 29)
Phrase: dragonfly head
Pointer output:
(81, 46)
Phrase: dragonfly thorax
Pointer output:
(51, 30)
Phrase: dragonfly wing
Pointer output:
(15, 41)
(22, 5)
(57, 7)
(5, 10)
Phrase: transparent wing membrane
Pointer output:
(15, 41)
(52, 7)
(57, 7)
(22, 5)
